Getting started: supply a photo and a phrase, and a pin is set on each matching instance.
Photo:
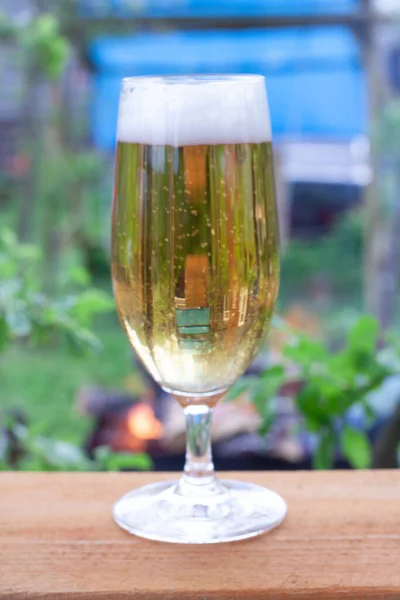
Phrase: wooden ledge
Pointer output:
(341, 539)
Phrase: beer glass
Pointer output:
(195, 267)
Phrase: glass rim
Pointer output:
(194, 78)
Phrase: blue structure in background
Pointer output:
(315, 79)
(212, 8)
(316, 82)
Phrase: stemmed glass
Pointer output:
(195, 265)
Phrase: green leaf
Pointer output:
(33, 463)
(8, 239)
(272, 380)
(242, 386)
(90, 303)
(356, 447)
(58, 455)
(260, 400)
(3, 333)
(324, 455)
(310, 404)
(312, 425)
(28, 253)
(267, 413)
(78, 275)
(79, 341)
(364, 335)
(117, 461)
(305, 351)
(369, 412)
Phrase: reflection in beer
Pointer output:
(192, 310)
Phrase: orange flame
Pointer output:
(142, 423)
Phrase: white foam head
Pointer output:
(192, 110)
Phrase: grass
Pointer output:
(44, 382)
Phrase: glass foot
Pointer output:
(193, 514)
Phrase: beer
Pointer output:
(195, 239)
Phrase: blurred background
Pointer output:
(325, 390)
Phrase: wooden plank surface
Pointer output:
(341, 539)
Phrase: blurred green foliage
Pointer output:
(42, 43)
(31, 319)
(48, 307)
(29, 315)
(53, 186)
(329, 384)
(332, 264)
(21, 449)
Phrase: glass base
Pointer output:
(183, 513)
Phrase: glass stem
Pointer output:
(199, 467)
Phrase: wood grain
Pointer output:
(341, 540)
